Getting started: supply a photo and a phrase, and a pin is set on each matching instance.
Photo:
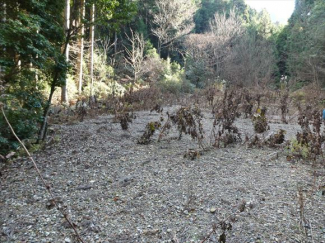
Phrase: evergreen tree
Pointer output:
(31, 39)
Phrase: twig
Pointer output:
(311, 232)
(164, 128)
(47, 186)
(293, 116)
(214, 227)
(273, 155)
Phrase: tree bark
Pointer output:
(4, 19)
(64, 91)
(79, 73)
(42, 131)
(115, 42)
(91, 58)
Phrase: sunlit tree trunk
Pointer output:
(91, 58)
(64, 91)
(79, 73)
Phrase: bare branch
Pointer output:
(172, 20)
(135, 55)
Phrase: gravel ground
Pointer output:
(119, 191)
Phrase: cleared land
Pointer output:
(119, 191)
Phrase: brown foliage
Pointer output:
(260, 121)
(227, 132)
(124, 119)
(193, 154)
(311, 138)
(150, 129)
(284, 106)
(187, 120)
(247, 103)
(142, 99)
(277, 138)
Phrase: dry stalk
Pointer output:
(214, 228)
(301, 204)
(47, 186)
(165, 128)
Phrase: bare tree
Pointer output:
(135, 54)
(172, 20)
(208, 52)
(199, 58)
(226, 28)
(250, 62)
(231, 52)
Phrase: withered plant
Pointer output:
(193, 154)
(301, 204)
(210, 94)
(255, 141)
(311, 139)
(165, 128)
(143, 98)
(224, 226)
(123, 112)
(259, 121)
(273, 141)
(304, 117)
(276, 139)
(258, 100)
(124, 118)
(247, 103)
(187, 120)
(316, 143)
(81, 109)
(150, 129)
(224, 131)
(157, 108)
(284, 106)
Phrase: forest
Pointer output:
(161, 121)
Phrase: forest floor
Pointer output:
(117, 190)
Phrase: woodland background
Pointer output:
(78, 52)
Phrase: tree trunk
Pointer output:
(4, 19)
(64, 92)
(91, 58)
(79, 73)
(42, 131)
(159, 47)
(115, 42)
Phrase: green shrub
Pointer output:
(173, 78)
(150, 51)
(298, 149)
(24, 114)
(102, 90)
(197, 73)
